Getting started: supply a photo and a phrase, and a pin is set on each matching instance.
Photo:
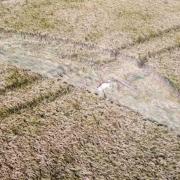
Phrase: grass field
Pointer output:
(154, 26)
(52, 130)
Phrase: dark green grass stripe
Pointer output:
(47, 97)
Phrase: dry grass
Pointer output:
(20, 94)
(51, 130)
(18, 79)
(168, 65)
(108, 23)
(73, 134)
(178, 39)
(138, 19)
(162, 53)
(13, 78)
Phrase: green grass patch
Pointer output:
(178, 39)
(174, 81)
(48, 97)
(18, 79)
(94, 36)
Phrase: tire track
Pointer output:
(31, 98)
(139, 88)
(113, 52)
(156, 35)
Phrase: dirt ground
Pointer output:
(50, 129)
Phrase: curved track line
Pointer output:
(141, 89)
